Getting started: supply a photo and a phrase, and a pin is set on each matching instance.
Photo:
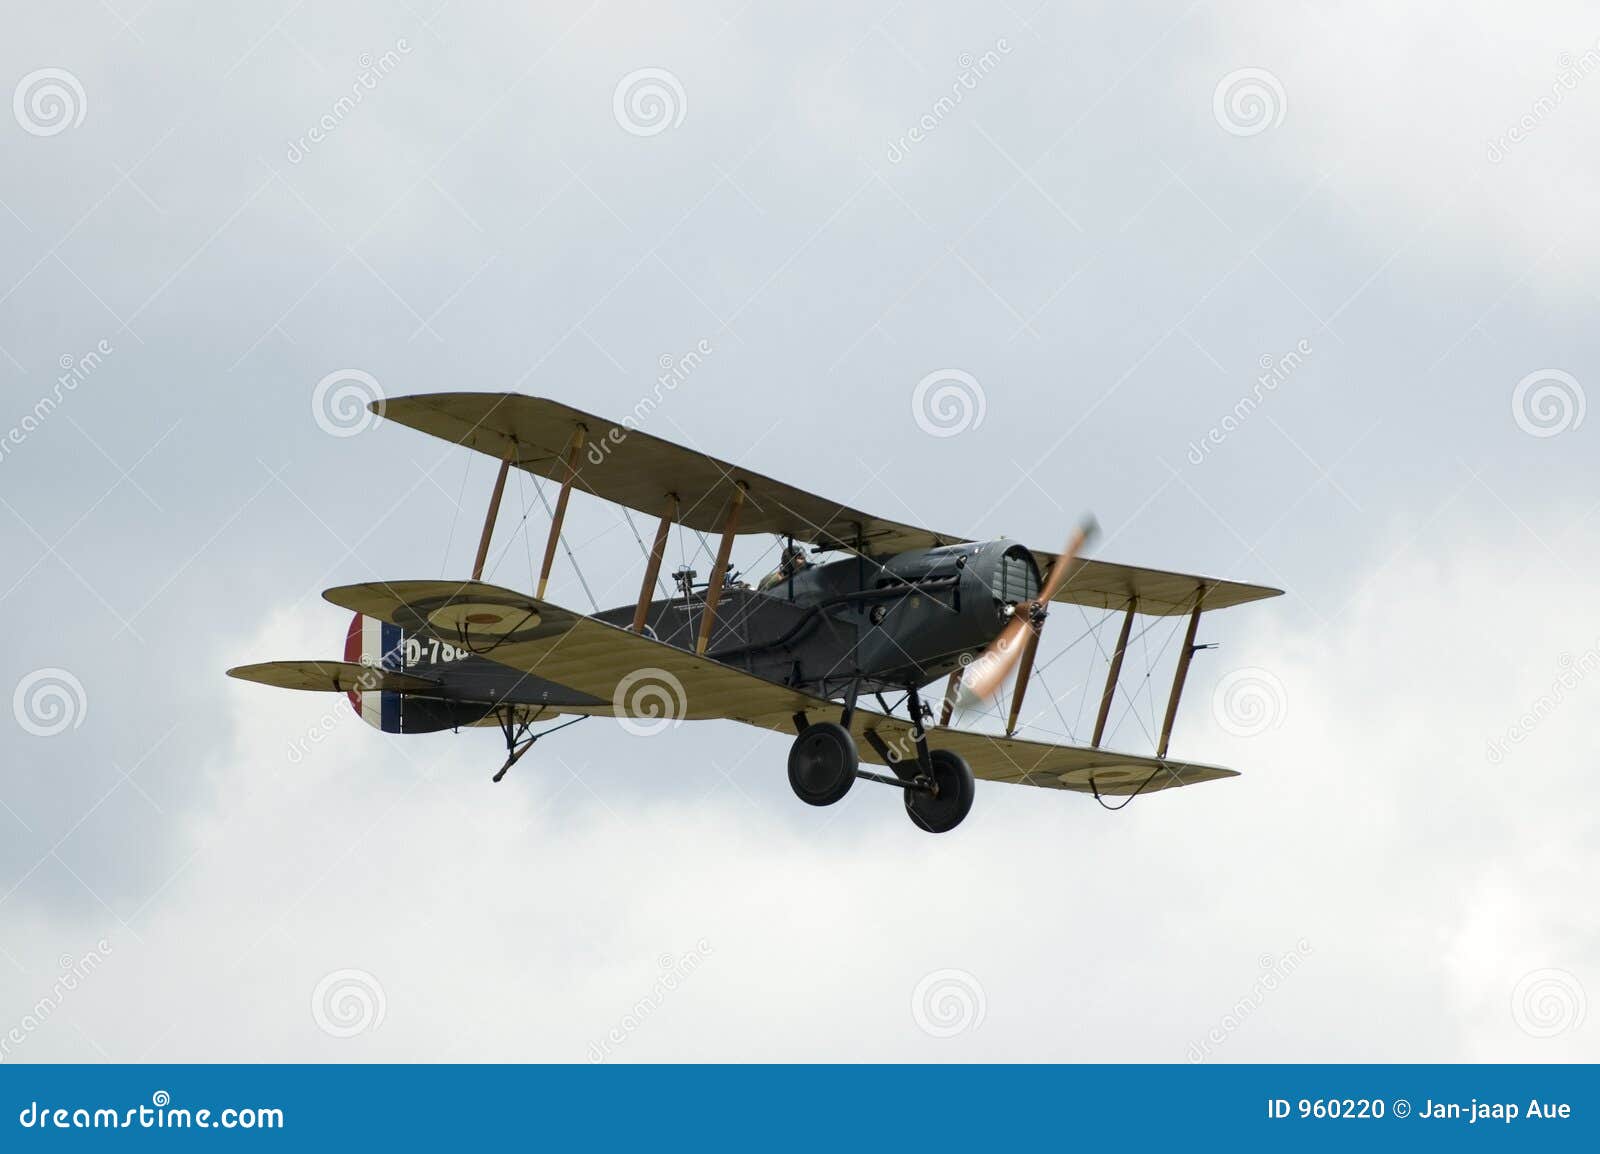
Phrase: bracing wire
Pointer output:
(527, 537)
(1129, 701)
(521, 529)
(1056, 701)
(643, 548)
(1100, 650)
(1131, 708)
(444, 565)
(549, 512)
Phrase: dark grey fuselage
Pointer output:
(895, 622)
(879, 623)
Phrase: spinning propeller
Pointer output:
(1020, 638)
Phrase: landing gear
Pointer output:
(823, 763)
(941, 809)
(939, 793)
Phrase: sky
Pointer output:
(1280, 294)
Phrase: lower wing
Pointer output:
(647, 679)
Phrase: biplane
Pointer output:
(896, 609)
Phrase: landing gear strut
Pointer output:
(944, 777)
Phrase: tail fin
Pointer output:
(394, 682)
(376, 645)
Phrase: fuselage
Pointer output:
(891, 622)
(878, 623)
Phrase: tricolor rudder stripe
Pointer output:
(377, 645)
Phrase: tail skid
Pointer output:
(519, 740)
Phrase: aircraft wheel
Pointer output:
(822, 763)
(942, 813)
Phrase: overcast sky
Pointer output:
(1108, 229)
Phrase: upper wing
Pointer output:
(1156, 592)
(638, 470)
(646, 678)
(635, 469)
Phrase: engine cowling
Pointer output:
(968, 593)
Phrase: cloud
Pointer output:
(1460, 130)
